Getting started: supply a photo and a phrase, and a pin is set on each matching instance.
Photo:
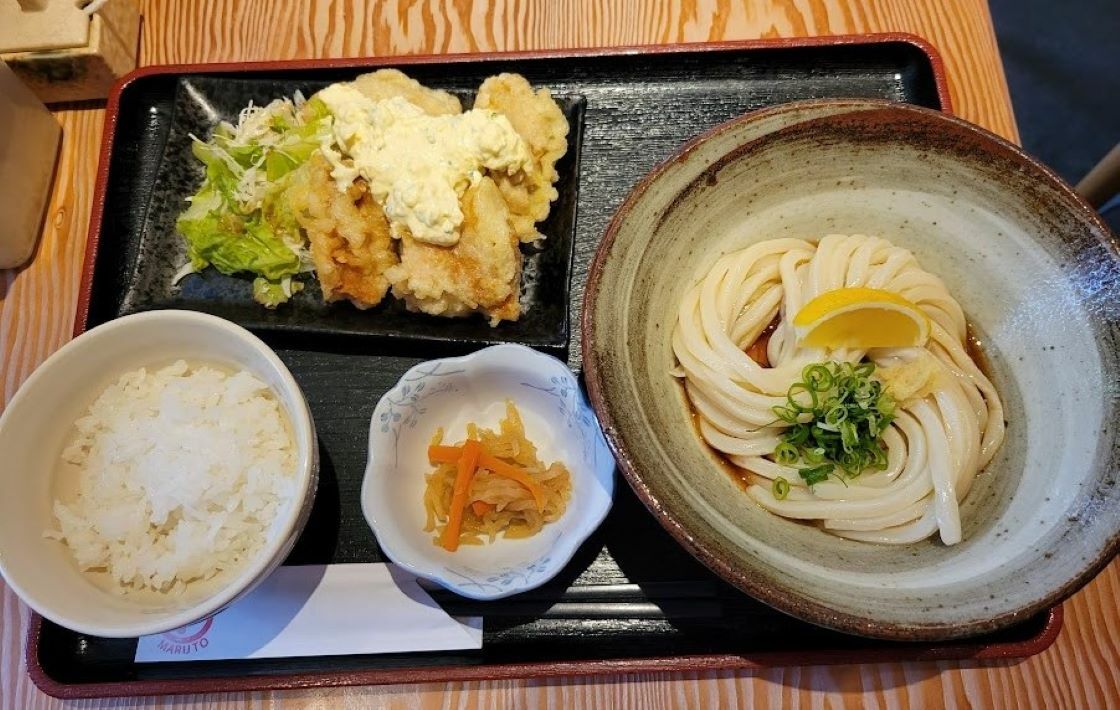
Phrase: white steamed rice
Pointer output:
(181, 472)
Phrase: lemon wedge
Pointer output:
(860, 318)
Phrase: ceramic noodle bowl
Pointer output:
(1037, 274)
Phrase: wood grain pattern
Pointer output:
(36, 313)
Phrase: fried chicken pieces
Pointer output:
(538, 120)
(348, 234)
(357, 259)
(386, 83)
(482, 272)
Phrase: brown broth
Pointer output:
(741, 476)
(975, 350)
(757, 350)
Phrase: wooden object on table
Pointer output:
(1082, 669)
(59, 71)
(26, 167)
(40, 25)
(1102, 183)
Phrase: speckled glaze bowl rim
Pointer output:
(563, 550)
(788, 599)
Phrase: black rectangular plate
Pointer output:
(156, 253)
(631, 593)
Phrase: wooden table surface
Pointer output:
(37, 310)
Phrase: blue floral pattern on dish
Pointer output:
(405, 403)
(524, 576)
(575, 411)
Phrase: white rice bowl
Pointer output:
(178, 473)
(219, 524)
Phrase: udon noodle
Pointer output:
(939, 439)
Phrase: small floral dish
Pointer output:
(448, 393)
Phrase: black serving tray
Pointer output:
(631, 599)
(157, 252)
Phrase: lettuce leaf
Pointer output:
(272, 293)
(316, 109)
(239, 220)
(278, 164)
(231, 245)
(220, 175)
(277, 213)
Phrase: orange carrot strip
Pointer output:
(444, 454)
(501, 468)
(468, 462)
(481, 507)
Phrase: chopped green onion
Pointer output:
(878, 458)
(852, 462)
(786, 453)
(818, 378)
(849, 437)
(796, 389)
(780, 489)
(836, 416)
(786, 414)
(815, 474)
(797, 436)
(813, 455)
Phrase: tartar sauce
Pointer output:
(417, 165)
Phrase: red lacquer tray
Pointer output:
(631, 600)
